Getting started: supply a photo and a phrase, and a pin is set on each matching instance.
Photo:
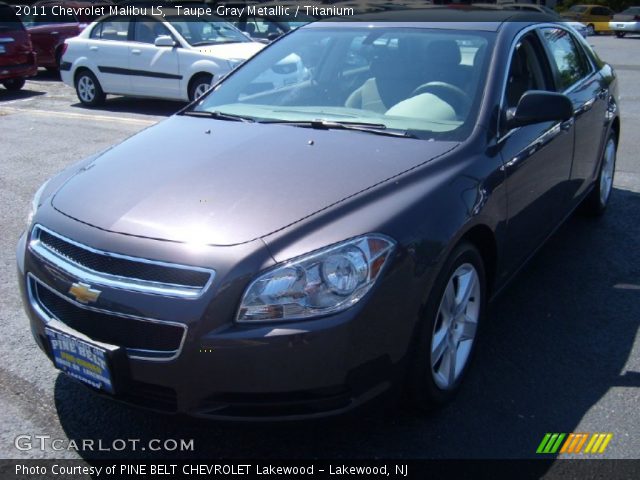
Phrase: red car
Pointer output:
(48, 32)
(17, 58)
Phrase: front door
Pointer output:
(537, 158)
(155, 69)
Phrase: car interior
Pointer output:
(380, 74)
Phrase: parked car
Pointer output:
(581, 28)
(625, 22)
(595, 17)
(17, 58)
(48, 31)
(169, 57)
(298, 251)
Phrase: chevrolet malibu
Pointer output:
(293, 252)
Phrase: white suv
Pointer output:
(174, 57)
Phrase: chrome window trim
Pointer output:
(505, 79)
(133, 353)
(103, 279)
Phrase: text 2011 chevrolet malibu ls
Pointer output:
(294, 252)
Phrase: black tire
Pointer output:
(620, 34)
(88, 89)
(200, 81)
(591, 29)
(596, 202)
(424, 391)
(14, 84)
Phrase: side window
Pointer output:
(146, 31)
(528, 70)
(96, 32)
(568, 57)
(112, 29)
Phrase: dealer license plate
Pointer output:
(81, 360)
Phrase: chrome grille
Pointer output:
(142, 337)
(119, 271)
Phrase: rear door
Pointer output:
(155, 69)
(576, 76)
(537, 158)
(108, 51)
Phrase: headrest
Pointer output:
(444, 52)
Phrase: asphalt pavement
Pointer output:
(561, 354)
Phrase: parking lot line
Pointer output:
(58, 114)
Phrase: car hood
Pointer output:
(223, 183)
(230, 51)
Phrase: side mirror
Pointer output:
(273, 36)
(164, 41)
(537, 106)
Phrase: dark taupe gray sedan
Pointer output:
(288, 252)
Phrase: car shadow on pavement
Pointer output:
(559, 339)
(9, 95)
(47, 76)
(133, 105)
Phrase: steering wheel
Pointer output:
(454, 96)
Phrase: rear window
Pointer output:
(9, 20)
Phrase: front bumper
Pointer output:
(224, 370)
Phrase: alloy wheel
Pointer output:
(606, 176)
(86, 89)
(200, 90)
(456, 326)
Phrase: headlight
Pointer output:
(326, 281)
(35, 203)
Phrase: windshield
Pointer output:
(206, 32)
(632, 11)
(578, 9)
(427, 82)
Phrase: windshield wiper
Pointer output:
(218, 116)
(214, 42)
(375, 128)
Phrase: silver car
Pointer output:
(625, 22)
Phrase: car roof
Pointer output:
(483, 19)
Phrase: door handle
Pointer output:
(135, 51)
(93, 47)
(55, 33)
(567, 124)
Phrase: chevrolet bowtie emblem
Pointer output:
(84, 293)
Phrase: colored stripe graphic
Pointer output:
(551, 443)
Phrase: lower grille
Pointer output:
(276, 404)
(153, 339)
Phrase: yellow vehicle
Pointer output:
(595, 17)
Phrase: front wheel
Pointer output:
(88, 89)
(199, 85)
(591, 29)
(596, 202)
(449, 328)
(14, 84)
(620, 34)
